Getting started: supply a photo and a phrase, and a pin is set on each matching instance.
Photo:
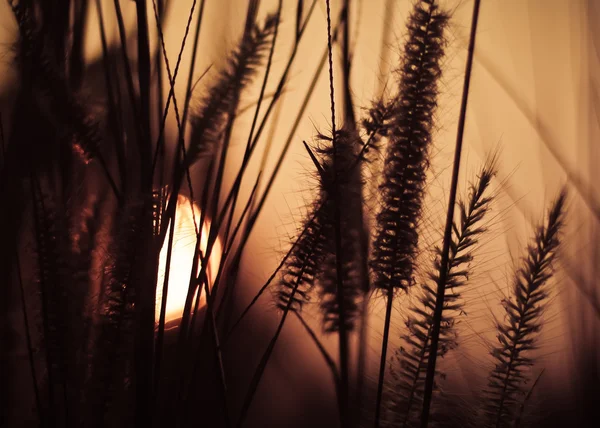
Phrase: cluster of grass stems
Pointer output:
(94, 194)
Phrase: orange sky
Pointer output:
(534, 87)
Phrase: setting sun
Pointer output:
(181, 260)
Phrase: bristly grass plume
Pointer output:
(341, 183)
(411, 359)
(242, 65)
(406, 161)
(523, 321)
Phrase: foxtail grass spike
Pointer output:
(412, 358)
(406, 161)
(407, 153)
(209, 122)
(54, 309)
(341, 184)
(108, 395)
(518, 332)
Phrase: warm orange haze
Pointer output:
(406, 190)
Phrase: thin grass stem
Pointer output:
(439, 303)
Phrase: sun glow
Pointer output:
(184, 241)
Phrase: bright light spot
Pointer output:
(184, 242)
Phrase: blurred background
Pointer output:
(534, 97)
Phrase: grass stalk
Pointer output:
(526, 399)
(113, 111)
(383, 356)
(30, 356)
(439, 303)
(340, 297)
(397, 235)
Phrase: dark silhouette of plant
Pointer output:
(407, 157)
(413, 358)
(445, 253)
(524, 308)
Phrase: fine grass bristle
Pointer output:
(517, 332)
(379, 122)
